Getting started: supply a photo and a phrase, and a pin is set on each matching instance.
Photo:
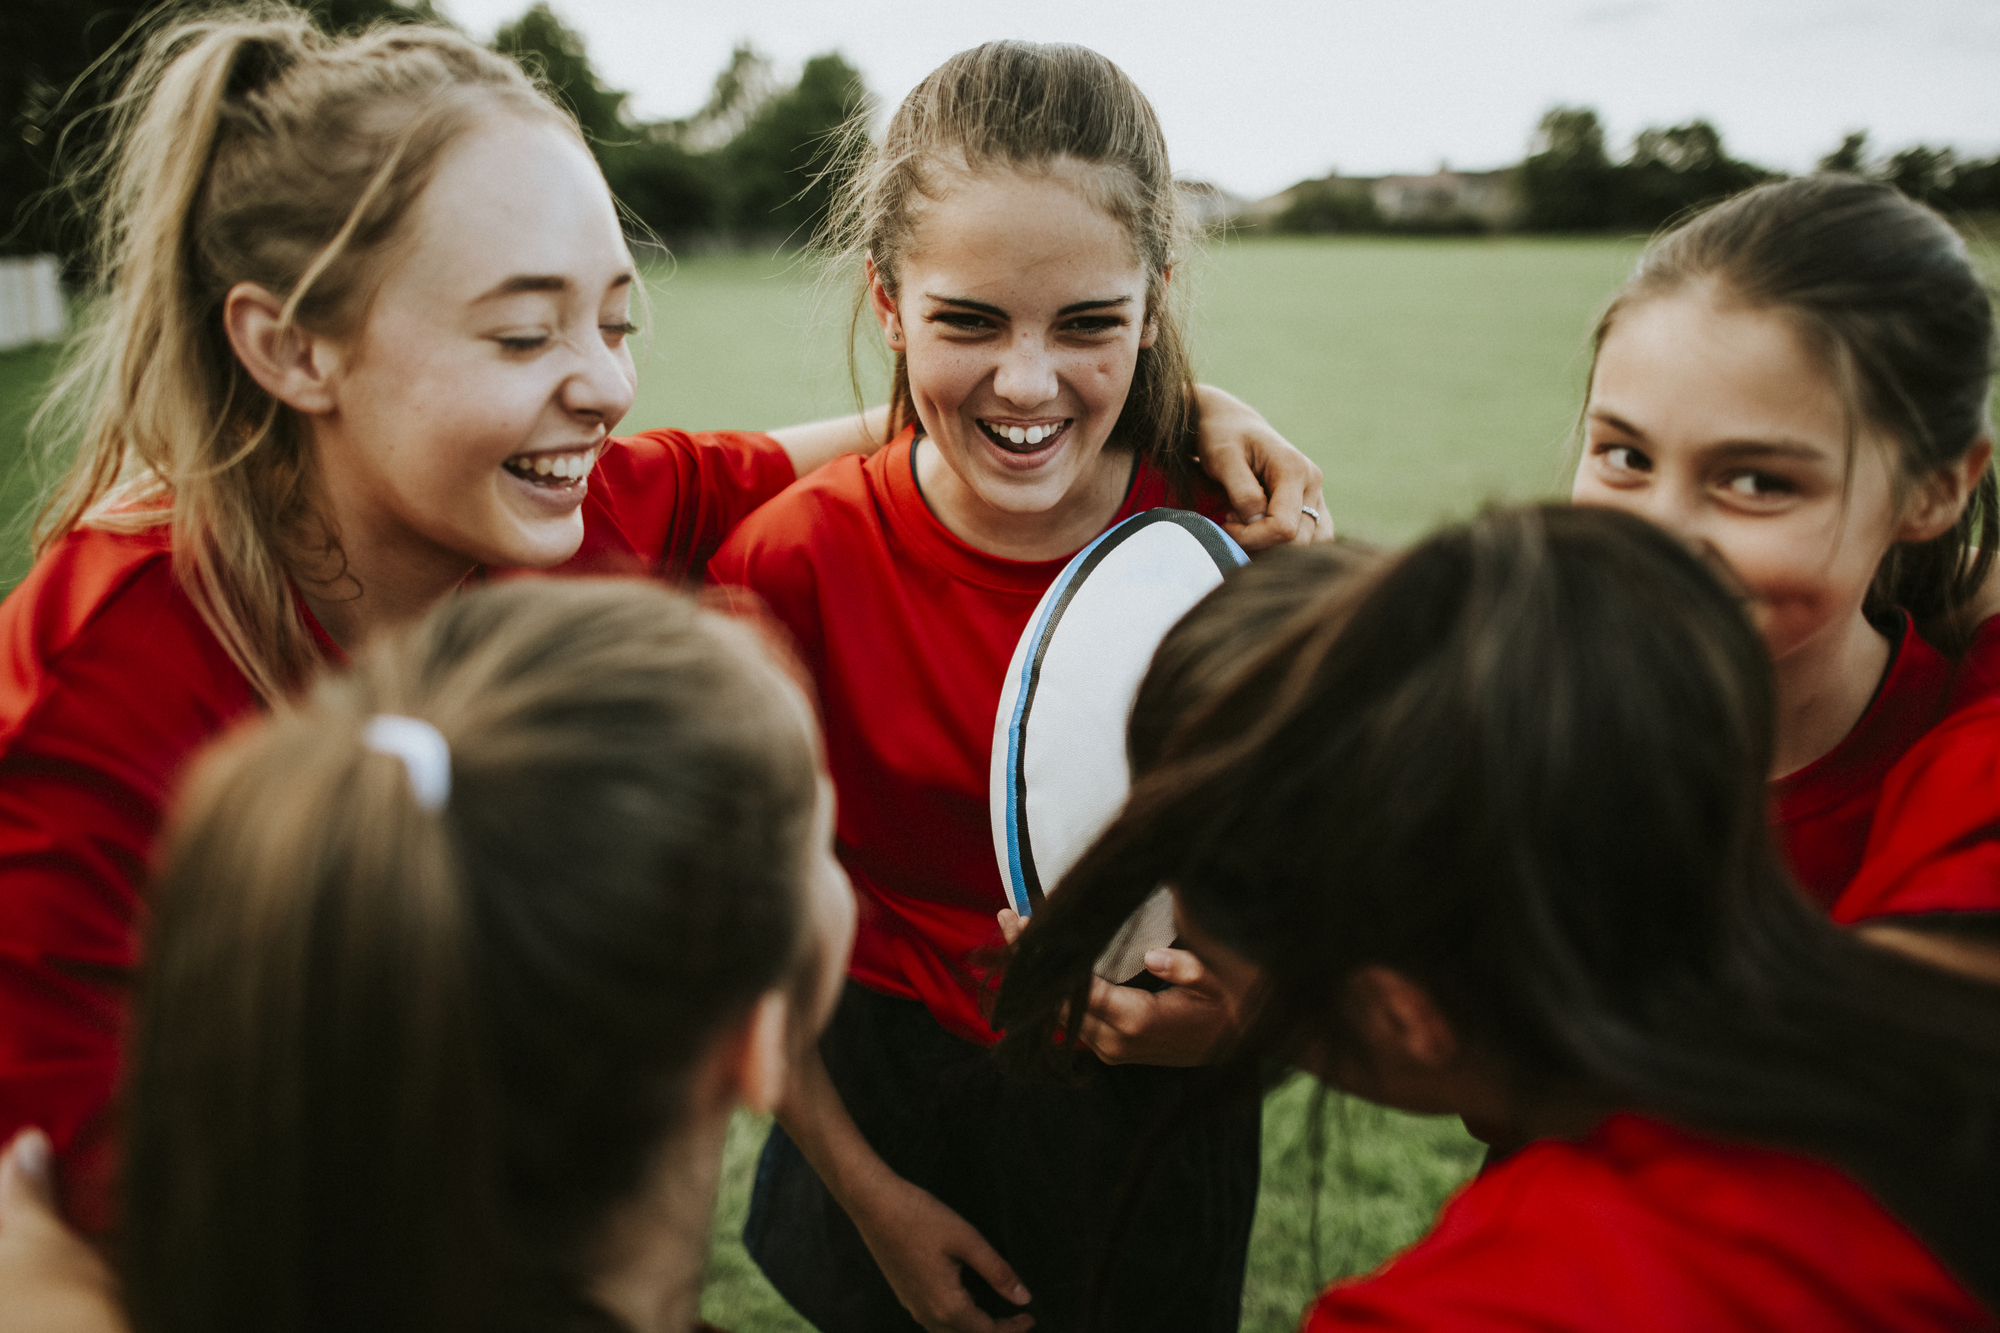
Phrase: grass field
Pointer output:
(1424, 376)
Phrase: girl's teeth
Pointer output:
(1017, 435)
(1036, 434)
(544, 465)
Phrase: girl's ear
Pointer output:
(1398, 1022)
(760, 1062)
(292, 365)
(1940, 498)
(883, 305)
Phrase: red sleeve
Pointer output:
(1645, 1229)
(662, 501)
(1935, 843)
(109, 686)
(771, 565)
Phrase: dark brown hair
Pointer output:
(1219, 636)
(394, 1068)
(1525, 765)
(1883, 290)
(1020, 106)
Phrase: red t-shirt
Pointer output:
(1822, 812)
(907, 632)
(110, 681)
(1979, 669)
(1935, 846)
(1645, 1228)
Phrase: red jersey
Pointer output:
(907, 632)
(1935, 846)
(110, 681)
(1979, 669)
(1822, 812)
(1646, 1228)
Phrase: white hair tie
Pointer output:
(423, 749)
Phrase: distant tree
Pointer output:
(60, 60)
(1851, 157)
(1566, 182)
(668, 188)
(555, 53)
(1673, 170)
(744, 87)
(777, 175)
(1923, 173)
(1975, 187)
(1330, 205)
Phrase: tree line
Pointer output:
(1569, 183)
(750, 165)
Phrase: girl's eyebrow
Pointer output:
(1074, 307)
(1797, 449)
(1777, 448)
(1616, 422)
(542, 282)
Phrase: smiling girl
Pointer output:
(363, 334)
(1016, 230)
(1797, 380)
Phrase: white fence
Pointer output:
(31, 301)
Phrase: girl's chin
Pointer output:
(541, 544)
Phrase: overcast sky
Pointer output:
(1258, 94)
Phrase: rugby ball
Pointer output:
(1059, 773)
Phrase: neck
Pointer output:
(657, 1246)
(385, 576)
(1824, 686)
(1513, 1123)
(1047, 534)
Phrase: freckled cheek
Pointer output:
(1102, 382)
(942, 380)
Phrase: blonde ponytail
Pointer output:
(249, 147)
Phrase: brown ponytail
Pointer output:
(394, 1065)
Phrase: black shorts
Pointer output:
(1036, 1168)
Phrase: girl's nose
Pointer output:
(602, 385)
(1027, 373)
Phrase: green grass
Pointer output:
(23, 373)
(1425, 377)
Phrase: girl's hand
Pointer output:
(921, 1245)
(919, 1242)
(1269, 482)
(51, 1281)
(1186, 1024)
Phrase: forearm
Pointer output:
(817, 443)
(817, 1120)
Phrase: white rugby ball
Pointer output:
(1059, 771)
